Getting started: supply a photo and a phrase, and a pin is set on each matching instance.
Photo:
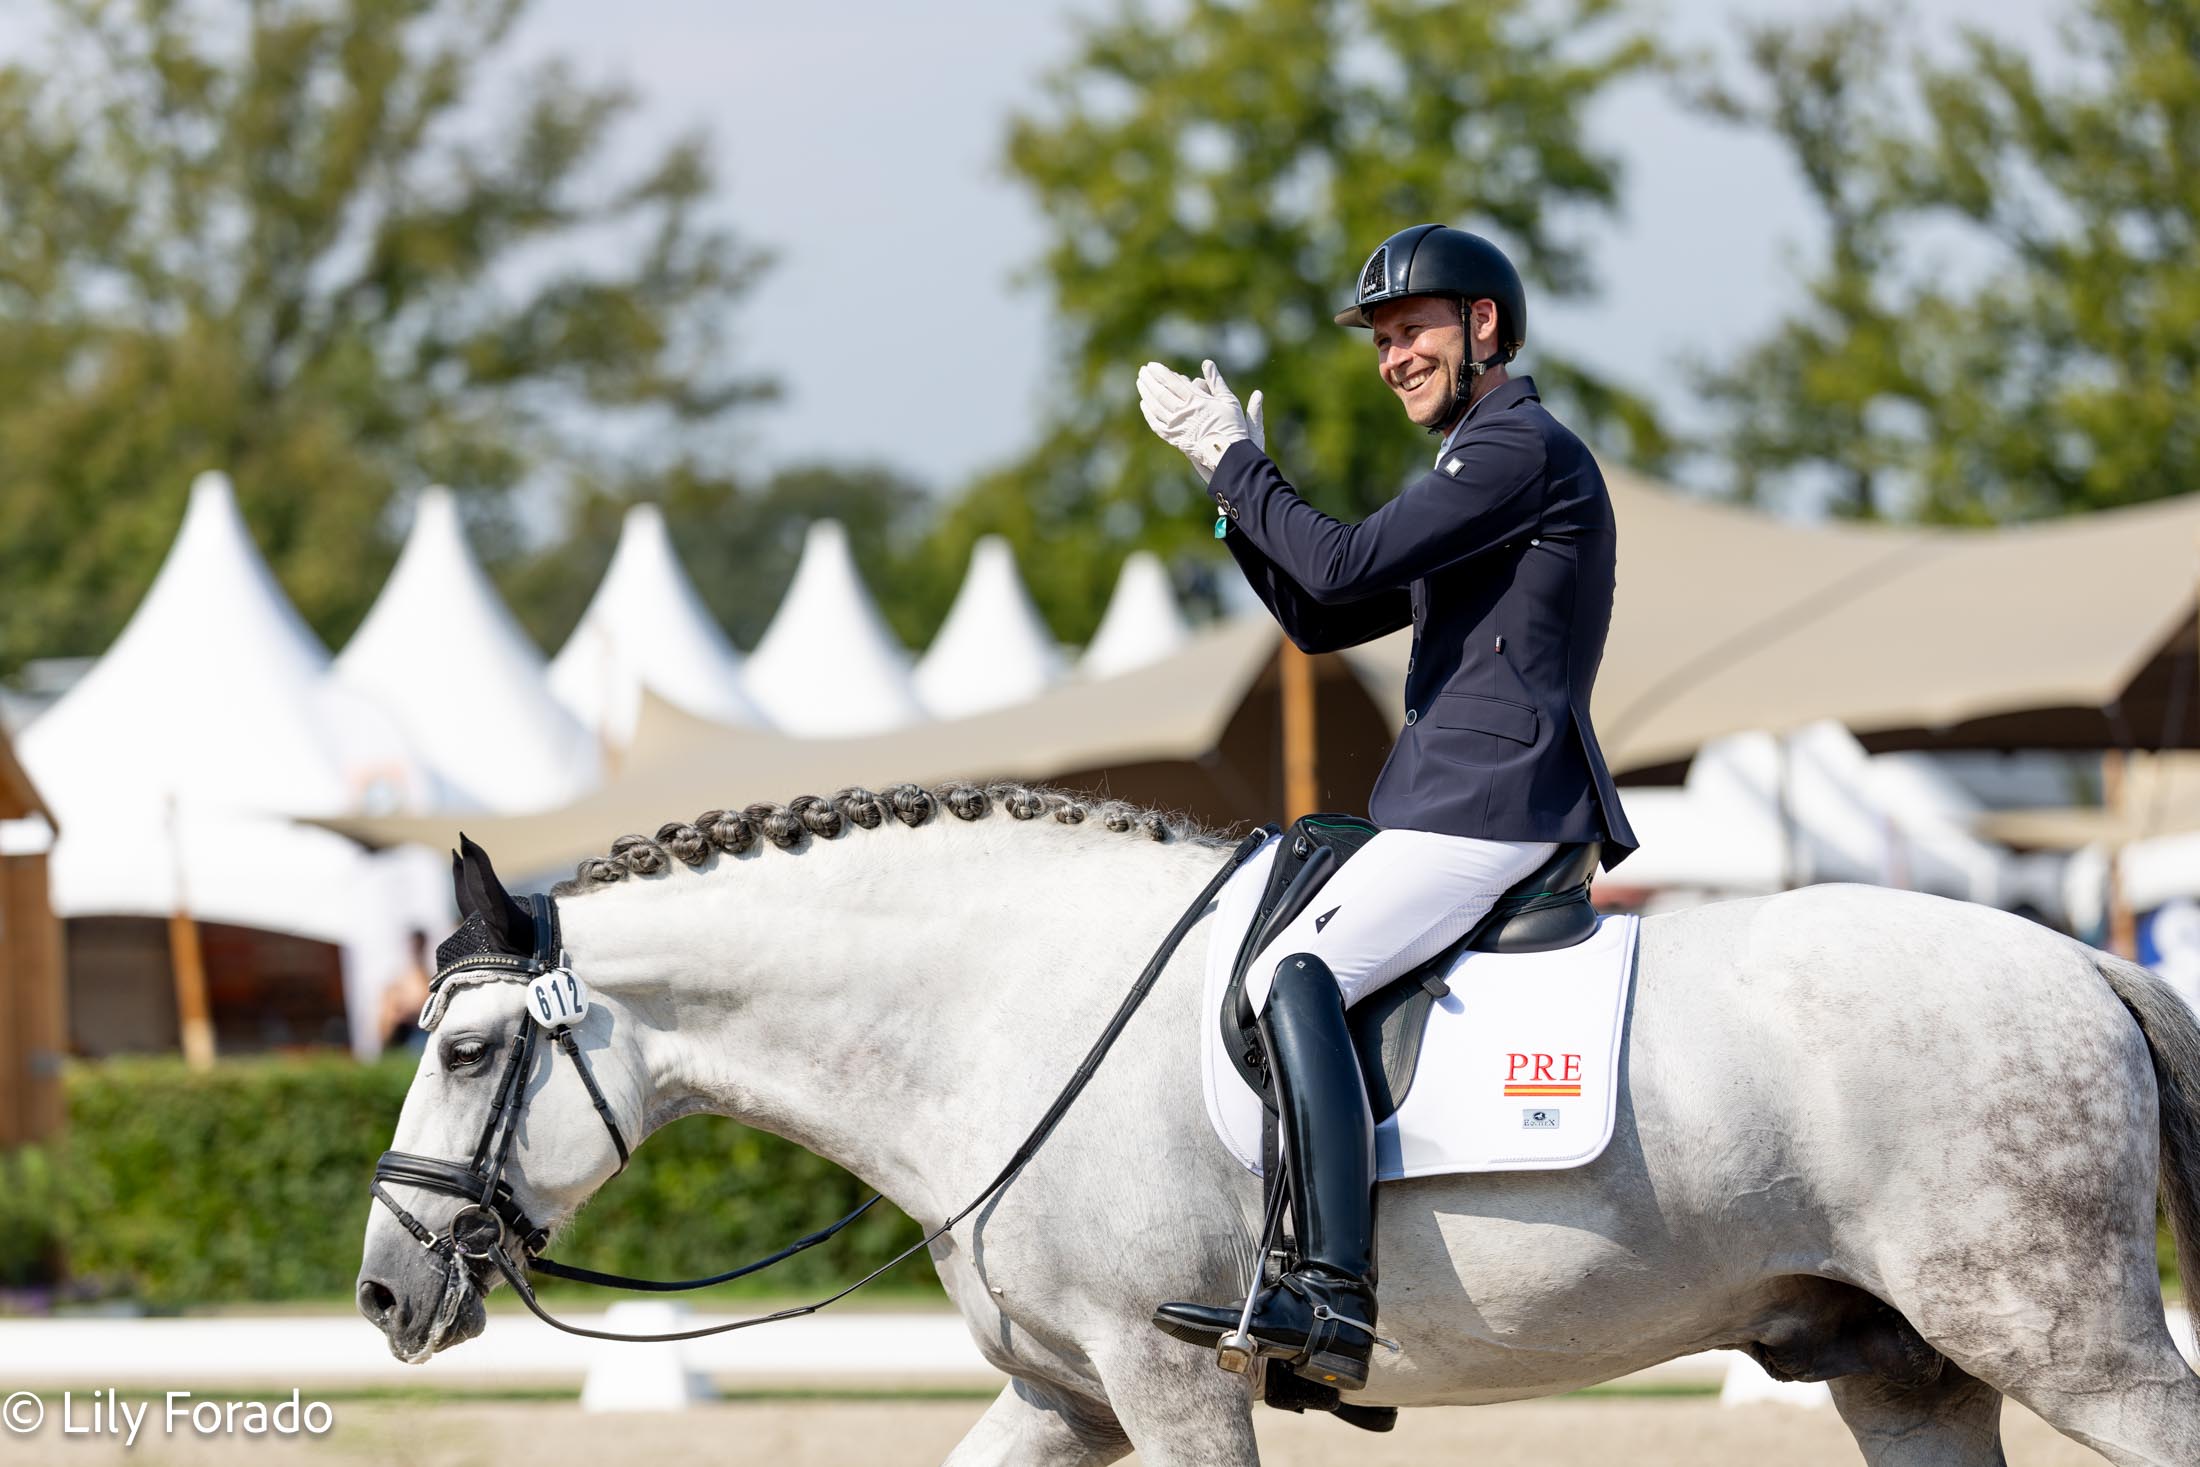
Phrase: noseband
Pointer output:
(492, 1217)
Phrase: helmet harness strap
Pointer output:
(1462, 396)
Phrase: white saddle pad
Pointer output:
(1519, 1068)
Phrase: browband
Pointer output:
(478, 968)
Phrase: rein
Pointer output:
(482, 1230)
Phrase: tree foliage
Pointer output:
(1212, 183)
(295, 240)
(2007, 321)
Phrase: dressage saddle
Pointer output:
(1546, 909)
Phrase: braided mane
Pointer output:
(791, 825)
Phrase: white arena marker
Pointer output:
(1747, 1384)
(644, 1377)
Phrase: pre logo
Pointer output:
(1544, 1076)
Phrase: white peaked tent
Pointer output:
(1142, 624)
(440, 651)
(647, 628)
(994, 649)
(217, 694)
(172, 767)
(827, 666)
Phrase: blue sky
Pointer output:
(861, 141)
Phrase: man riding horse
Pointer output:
(1501, 560)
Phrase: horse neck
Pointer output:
(903, 1002)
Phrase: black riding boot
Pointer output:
(1321, 1315)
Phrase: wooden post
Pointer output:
(1301, 774)
(186, 961)
(32, 1007)
(14, 1045)
(2123, 923)
(192, 1012)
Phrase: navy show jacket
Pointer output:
(1501, 560)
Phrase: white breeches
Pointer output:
(1405, 897)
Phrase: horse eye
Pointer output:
(466, 1052)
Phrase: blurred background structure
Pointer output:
(438, 414)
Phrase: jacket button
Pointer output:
(1411, 715)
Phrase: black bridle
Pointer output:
(491, 1222)
(492, 1215)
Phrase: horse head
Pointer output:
(498, 1144)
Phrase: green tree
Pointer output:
(1213, 180)
(1806, 393)
(285, 239)
(2053, 367)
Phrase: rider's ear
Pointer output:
(481, 894)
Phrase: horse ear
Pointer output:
(458, 886)
(482, 895)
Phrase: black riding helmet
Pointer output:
(1435, 259)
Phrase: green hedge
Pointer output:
(250, 1183)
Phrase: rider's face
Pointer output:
(1420, 350)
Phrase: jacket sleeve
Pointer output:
(1311, 625)
(1490, 488)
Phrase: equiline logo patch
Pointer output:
(1544, 1076)
(1377, 272)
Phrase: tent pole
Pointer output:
(1301, 779)
(2123, 925)
(187, 962)
(1784, 807)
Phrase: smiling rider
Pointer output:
(1501, 560)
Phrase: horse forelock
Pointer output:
(789, 827)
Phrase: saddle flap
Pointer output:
(1546, 909)
(1310, 853)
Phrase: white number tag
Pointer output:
(557, 1000)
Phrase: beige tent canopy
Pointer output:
(2072, 633)
(1174, 710)
(2037, 635)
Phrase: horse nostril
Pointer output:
(376, 1302)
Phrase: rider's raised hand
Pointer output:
(1199, 417)
(1217, 420)
(1166, 398)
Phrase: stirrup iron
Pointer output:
(1237, 1352)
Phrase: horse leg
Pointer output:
(1952, 1421)
(1029, 1423)
(1179, 1409)
(2122, 1389)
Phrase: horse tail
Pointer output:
(2173, 1038)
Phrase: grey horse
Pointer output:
(1909, 1145)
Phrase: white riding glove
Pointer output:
(1199, 418)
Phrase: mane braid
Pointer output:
(693, 843)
